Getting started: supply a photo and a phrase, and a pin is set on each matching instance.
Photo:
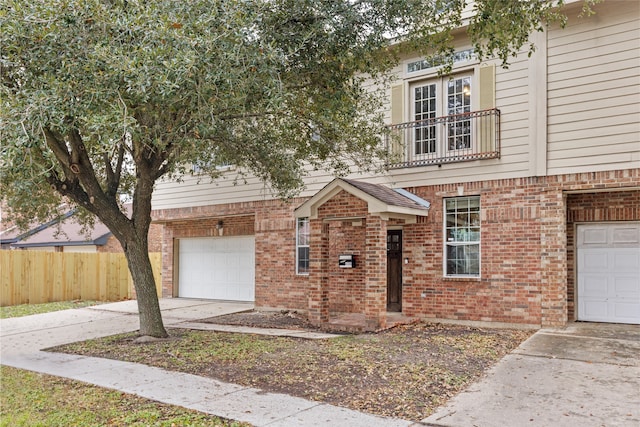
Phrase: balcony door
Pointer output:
(441, 110)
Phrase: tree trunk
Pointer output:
(148, 305)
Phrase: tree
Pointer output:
(102, 98)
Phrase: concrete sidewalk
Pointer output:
(582, 375)
(587, 374)
(23, 338)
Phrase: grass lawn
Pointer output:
(29, 309)
(32, 399)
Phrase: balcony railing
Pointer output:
(455, 138)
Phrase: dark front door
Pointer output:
(394, 270)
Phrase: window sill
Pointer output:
(462, 279)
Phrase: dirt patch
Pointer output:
(284, 319)
(404, 372)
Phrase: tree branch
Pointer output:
(59, 149)
(113, 176)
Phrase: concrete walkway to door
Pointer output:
(587, 374)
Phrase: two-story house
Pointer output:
(512, 196)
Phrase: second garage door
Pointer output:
(217, 268)
(609, 272)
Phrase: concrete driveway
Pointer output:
(587, 374)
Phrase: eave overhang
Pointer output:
(381, 201)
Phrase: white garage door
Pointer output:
(217, 268)
(609, 272)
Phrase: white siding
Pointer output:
(511, 97)
(586, 77)
(594, 91)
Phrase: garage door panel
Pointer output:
(593, 236)
(608, 265)
(625, 235)
(595, 260)
(217, 268)
(628, 311)
(626, 287)
(595, 286)
(595, 309)
(626, 260)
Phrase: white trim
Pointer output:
(375, 206)
(445, 245)
(537, 85)
(298, 246)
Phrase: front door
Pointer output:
(394, 270)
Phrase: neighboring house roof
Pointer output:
(13, 233)
(381, 200)
(64, 232)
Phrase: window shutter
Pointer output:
(397, 137)
(487, 87)
(397, 104)
(487, 100)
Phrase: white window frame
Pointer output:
(467, 232)
(302, 242)
(442, 110)
(199, 170)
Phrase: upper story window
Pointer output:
(302, 246)
(462, 237)
(443, 97)
(424, 64)
(223, 166)
(444, 119)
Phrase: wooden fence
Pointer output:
(35, 277)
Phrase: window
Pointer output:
(424, 64)
(437, 120)
(198, 169)
(450, 98)
(462, 236)
(302, 246)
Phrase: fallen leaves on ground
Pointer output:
(405, 372)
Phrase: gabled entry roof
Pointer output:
(381, 200)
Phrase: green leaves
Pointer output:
(264, 85)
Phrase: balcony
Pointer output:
(448, 139)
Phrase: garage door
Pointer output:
(217, 268)
(609, 272)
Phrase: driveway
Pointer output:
(587, 374)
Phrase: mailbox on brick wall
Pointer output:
(347, 261)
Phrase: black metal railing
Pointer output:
(455, 138)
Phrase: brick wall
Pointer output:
(277, 284)
(525, 257)
(345, 286)
(594, 207)
(155, 241)
(509, 287)
(272, 223)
